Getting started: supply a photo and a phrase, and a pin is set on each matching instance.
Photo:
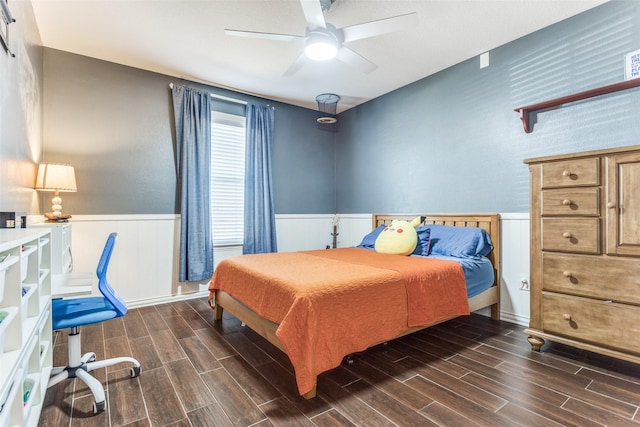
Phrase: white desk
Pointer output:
(71, 285)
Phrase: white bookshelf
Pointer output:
(25, 333)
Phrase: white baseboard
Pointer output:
(507, 317)
(145, 302)
(514, 318)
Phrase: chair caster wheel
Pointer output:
(135, 371)
(99, 406)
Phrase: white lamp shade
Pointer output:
(56, 177)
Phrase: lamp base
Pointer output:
(53, 218)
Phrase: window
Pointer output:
(227, 178)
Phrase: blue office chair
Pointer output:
(73, 313)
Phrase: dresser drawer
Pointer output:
(571, 173)
(607, 278)
(604, 323)
(571, 235)
(574, 201)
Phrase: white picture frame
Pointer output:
(632, 65)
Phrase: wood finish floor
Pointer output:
(466, 372)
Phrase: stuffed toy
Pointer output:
(399, 238)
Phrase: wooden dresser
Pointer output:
(585, 251)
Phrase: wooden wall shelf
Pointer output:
(526, 110)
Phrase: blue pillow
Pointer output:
(461, 242)
(424, 238)
(369, 241)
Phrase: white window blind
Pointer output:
(227, 178)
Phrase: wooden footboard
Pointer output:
(488, 298)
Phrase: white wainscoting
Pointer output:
(144, 265)
(514, 290)
(309, 232)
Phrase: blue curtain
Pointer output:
(259, 215)
(192, 109)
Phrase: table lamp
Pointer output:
(56, 177)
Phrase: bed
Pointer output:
(320, 306)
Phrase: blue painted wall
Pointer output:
(452, 142)
(115, 125)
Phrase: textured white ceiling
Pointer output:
(185, 38)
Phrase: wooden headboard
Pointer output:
(489, 222)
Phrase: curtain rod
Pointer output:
(220, 97)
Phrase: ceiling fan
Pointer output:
(324, 41)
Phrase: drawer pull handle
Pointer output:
(566, 235)
(566, 273)
(567, 202)
(566, 316)
(566, 172)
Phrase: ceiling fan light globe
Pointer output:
(320, 50)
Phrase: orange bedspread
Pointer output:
(331, 303)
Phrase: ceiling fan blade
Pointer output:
(297, 64)
(313, 14)
(267, 36)
(348, 56)
(381, 26)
